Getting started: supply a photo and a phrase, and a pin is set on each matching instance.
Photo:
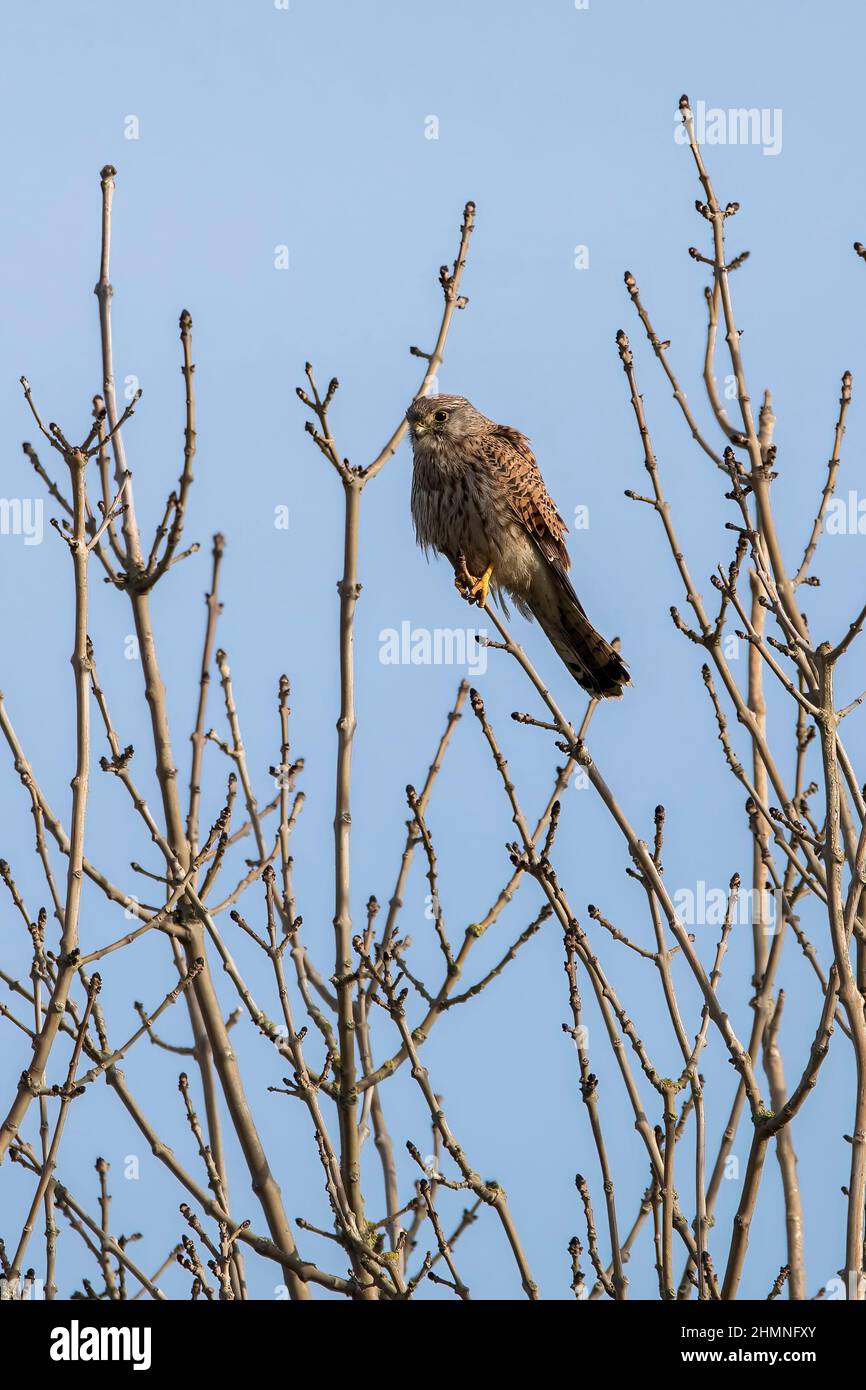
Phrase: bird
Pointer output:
(479, 499)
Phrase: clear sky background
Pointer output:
(259, 128)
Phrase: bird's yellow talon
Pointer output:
(480, 588)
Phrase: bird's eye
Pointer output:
(441, 415)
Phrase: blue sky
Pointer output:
(307, 128)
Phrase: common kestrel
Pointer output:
(477, 490)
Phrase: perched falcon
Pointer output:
(477, 490)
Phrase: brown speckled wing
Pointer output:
(523, 486)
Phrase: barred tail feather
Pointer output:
(596, 666)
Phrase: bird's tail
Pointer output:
(595, 664)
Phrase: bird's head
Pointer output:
(437, 420)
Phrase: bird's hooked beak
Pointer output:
(417, 428)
